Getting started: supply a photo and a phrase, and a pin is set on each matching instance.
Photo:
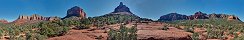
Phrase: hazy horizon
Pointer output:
(153, 9)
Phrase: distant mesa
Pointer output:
(197, 15)
(3, 21)
(173, 16)
(75, 11)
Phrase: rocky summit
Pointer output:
(121, 8)
(197, 15)
(76, 11)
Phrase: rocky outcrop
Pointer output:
(173, 16)
(3, 21)
(197, 15)
(76, 11)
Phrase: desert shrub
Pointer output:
(123, 33)
(165, 28)
(12, 34)
(195, 36)
(189, 29)
(215, 33)
(1, 33)
(84, 24)
(34, 36)
(77, 23)
(51, 29)
(29, 36)
(239, 37)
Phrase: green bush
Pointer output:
(239, 38)
(215, 33)
(123, 33)
(51, 29)
(195, 36)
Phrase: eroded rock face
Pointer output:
(76, 11)
(32, 19)
(3, 21)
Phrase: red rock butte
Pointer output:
(76, 11)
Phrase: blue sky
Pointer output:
(11, 9)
